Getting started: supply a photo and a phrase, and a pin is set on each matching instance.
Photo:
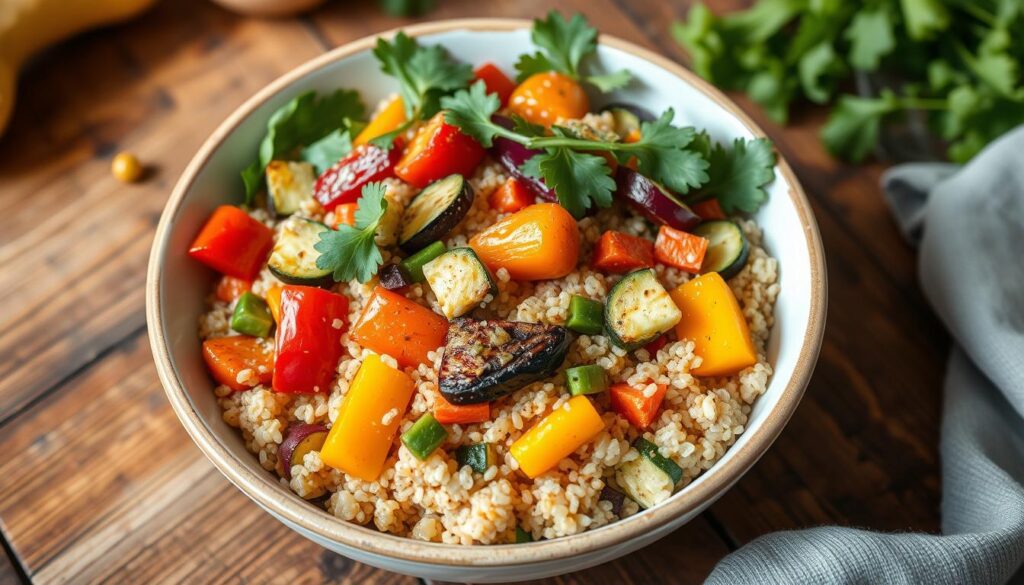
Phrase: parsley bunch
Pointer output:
(679, 158)
(351, 251)
(565, 44)
(956, 61)
(424, 74)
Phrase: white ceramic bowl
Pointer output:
(177, 286)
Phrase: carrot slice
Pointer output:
(619, 252)
(680, 249)
(227, 357)
(511, 196)
(447, 413)
(631, 403)
(345, 214)
(708, 209)
(230, 288)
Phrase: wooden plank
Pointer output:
(8, 574)
(73, 241)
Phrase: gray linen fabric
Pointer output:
(970, 222)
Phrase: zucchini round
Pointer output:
(293, 259)
(728, 248)
(438, 208)
(638, 310)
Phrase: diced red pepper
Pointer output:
(345, 214)
(680, 249)
(437, 150)
(233, 243)
(343, 182)
(653, 347)
(308, 339)
(230, 288)
(631, 403)
(511, 196)
(495, 81)
(708, 209)
(619, 252)
(447, 413)
(227, 357)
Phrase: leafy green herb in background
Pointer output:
(956, 60)
(351, 251)
(565, 44)
(304, 122)
(407, 8)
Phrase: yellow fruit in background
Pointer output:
(27, 26)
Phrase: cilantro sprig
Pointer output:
(351, 252)
(424, 74)
(564, 44)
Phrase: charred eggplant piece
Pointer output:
(485, 360)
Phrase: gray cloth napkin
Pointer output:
(970, 223)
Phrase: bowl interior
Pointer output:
(182, 284)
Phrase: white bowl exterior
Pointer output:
(185, 282)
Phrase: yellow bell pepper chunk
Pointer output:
(713, 320)
(391, 117)
(274, 301)
(369, 416)
(556, 436)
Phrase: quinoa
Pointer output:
(435, 500)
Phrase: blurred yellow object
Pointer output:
(27, 26)
(126, 167)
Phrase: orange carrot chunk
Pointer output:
(230, 288)
(447, 413)
(708, 209)
(631, 403)
(682, 250)
(228, 357)
(403, 329)
(511, 196)
(619, 252)
(345, 214)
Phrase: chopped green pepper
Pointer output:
(523, 536)
(586, 316)
(589, 379)
(479, 456)
(413, 265)
(424, 436)
(252, 316)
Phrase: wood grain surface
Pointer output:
(100, 484)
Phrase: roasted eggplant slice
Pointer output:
(652, 200)
(485, 360)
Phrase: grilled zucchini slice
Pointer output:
(293, 259)
(460, 280)
(288, 185)
(650, 478)
(728, 248)
(638, 310)
(438, 208)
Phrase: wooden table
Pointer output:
(99, 483)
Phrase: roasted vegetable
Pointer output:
(628, 118)
(616, 252)
(728, 248)
(344, 182)
(495, 80)
(617, 498)
(635, 404)
(654, 201)
(309, 331)
(288, 185)
(556, 436)
(708, 209)
(393, 277)
(639, 310)
(714, 321)
(540, 242)
(424, 436)
(230, 288)
(680, 249)
(252, 316)
(228, 357)
(447, 413)
(586, 316)
(233, 243)
(485, 360)
(293, 259)
(389, 118)
(588, 379)
(650, 478)
(512, 196)
(460, 281)
(437, 150)
(413, 265)
(434, 212)
(478, 456)
(399, 327)
(512, 156)
(523, 536)
(301, 439)
(544, 98)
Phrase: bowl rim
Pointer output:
(295, 511)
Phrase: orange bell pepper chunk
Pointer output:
(447, 413)
(511, 196)
(273, 299)
(495, 80)
(619, 252)
(714, 321)
(708, 209)
(360, 439)
(345, 214)
(539, 242)
(631, 403)
(230, 288)
(227, 357)
(394, 325)
(556, 436)
(680, 249)
(544, 98)
(389, 118)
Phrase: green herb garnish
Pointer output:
(565, 44)
(351, 251)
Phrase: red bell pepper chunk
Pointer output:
(653, 347)
(496, 81)
(343, 182)
(677, 248)
(233, 243)
(308, 344)
(631, 403)
(437, 150)
(511, 196)
(230, 288)
(708, 209)
(619, 252)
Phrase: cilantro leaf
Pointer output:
(661, 154)
(580, 180)
(351, 251)
(924, 18)
(871, 37)
(471, 111)
(565, 43)
(818, 68)
(323, 153)
(302, 121)
(852, 129)
(737, 176)
(423, 73)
